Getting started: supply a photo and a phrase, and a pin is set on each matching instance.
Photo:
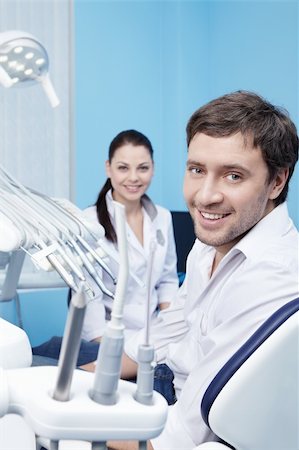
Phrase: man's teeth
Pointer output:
(212, 216)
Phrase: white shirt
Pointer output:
(157, 230)
(212, 317)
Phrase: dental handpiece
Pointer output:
(90, 268)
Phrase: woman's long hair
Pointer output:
(125, 137)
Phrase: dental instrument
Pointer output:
(43, 215)
(45, 210)
(108, 366)
(145, 357)
(64, 403)
(70, 346)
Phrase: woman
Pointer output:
(130, 169)
(151, 246)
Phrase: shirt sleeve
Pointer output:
(169, 326)
(167, 285)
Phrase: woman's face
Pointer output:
(131, 170)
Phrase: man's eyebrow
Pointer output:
(236, 167)
(239, 167)
(192, 162)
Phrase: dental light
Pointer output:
(23, 62)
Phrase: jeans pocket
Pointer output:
(163, 383)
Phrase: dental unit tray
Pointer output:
(80, 418)
(63, 403)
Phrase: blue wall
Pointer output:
(152, 63)
(148, 65)
(138, 55)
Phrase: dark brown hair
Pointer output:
(267, 126)
(124, 137)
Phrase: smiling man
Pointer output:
(227, 189)
(243, 266)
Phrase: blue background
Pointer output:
(148, 65)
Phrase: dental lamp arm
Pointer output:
(49, 90)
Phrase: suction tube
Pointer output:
(108, 365)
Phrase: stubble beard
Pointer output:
(234, 233)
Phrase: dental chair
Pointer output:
(253, 402)
(184, 237)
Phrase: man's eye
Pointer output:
(195, 170)
(234, 177)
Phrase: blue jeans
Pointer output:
(163, 383)
(88, 351)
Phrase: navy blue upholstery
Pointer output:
(184, 237)
(244, 352)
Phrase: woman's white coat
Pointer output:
(158, 239)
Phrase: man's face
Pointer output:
(226, 189)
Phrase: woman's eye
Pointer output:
(144, 168)
(122, 168)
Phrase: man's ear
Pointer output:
(279, 183)
(107, 166)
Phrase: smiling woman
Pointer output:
(130, 171)
(130, 168)
(151, 246)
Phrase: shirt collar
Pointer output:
(273, 225)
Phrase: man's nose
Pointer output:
(209, 192)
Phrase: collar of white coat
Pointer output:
(146, 203)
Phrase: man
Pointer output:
(244, 264)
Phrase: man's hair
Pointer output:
(268, 127)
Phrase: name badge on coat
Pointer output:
(160, 237)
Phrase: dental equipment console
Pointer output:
(62, 403)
